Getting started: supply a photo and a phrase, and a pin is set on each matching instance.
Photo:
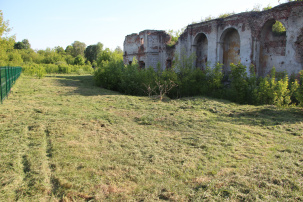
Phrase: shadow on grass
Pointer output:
(268, 116)
(256, 116)
(84, 85)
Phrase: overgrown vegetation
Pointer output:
(174, 36)
(257, 7)
(278, 29)
(64, 139)
(240, 85)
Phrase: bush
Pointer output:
(40, 72)
(282, 93)
(109, 75)
(187, 80)
(298, 89)
(131, 80)
(238, 89)
(34, 70)
(265, 90)
(51, 68)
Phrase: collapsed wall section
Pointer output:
(148, 47)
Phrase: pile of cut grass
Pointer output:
(61, 138)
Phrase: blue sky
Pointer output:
(61, 22)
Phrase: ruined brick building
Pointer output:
(246, 37)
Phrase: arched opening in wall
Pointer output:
(168, 63)
(299, 47)
(230, 48)
(272, 47)
(201, 48)
(141, 64)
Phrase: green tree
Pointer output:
(6, 43)
(59, 50)
(19, 45)
(24, 44)
(79, 60)
(91, 52)
(119, 50)
(69, 59)
(69, 50)
(104, 56)
(78, 48)
(3, 25)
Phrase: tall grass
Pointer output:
(40, 70)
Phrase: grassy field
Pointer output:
(62, 138)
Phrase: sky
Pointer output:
(47, 24)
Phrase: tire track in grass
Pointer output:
(49, 154)
(24, 167)
(56, 192)
(35, 184)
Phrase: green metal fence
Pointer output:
(8, 76)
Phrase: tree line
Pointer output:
(75, 57)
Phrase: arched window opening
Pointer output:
(141, 64)
(230, 44)
(278, 29)
(168, 63)
(201, 47)
(272, 47)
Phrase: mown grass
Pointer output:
(62, 138)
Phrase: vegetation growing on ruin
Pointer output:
(257, 7)
(291, 0)
(174, 36)
(278, 29)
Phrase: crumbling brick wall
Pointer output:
(148, 47)
(246, 37)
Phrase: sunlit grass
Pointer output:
(63, 138)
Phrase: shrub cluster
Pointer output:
(40, 70)
(238, 86)
(129, 79)
(275, 89)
